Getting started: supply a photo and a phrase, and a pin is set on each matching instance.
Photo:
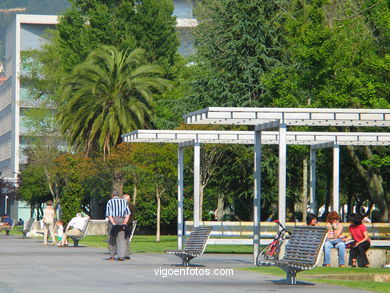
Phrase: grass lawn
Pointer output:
(360, 278)
(147, 243)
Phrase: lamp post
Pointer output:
(5, 204)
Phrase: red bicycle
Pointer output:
(272, 250)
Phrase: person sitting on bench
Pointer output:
(6, 223)
(334, 239)
(74, 228)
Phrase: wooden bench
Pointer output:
(76, 239)
(302, 251)
(195, 245)
(28, 226)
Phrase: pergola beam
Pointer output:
(267, 137)
(267, 125)
(290, 116)
(324, 145)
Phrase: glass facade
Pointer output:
(184, 8)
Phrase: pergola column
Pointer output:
(180, 197)
(257, 185)
(313, 162)
(257, 196)
(336, 177)
(282, 173)
(196, 184)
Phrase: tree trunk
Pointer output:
(134, 194)
(328, 195)
(118, 182)
(374, 183)
(304, 189)
(349, 211)
(158, 215)
(201, 193)
(220, 206)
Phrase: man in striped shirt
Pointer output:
(118, 214)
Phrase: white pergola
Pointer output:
(268, 118)
(197, 137)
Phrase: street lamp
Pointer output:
(5, 205)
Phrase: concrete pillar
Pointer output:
(336, 177)
(180, 198)
(282, 173)
(257, 196)
(313, 162)
(196, 184)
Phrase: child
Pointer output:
(60, 230)
(362, 242)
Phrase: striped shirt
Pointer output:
(117, 207)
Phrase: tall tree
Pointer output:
(147, 24)
(159, 163)
(337, 57)
(237, 42)
(107, 95)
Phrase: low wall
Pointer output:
(376, 256)
(95, 227)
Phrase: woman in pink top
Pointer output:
(362, 242)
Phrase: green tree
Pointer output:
(337, 57)
(33, 187)
(237, 42)
(71, 200)
(107, 95)
(145, 24)
(74, 170)
(159, 163)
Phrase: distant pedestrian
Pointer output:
(20, 222)
(48, 222)
(6, 222)
(118, 214)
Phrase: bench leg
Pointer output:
(291, 277)
(185, 260)
(75, 243)
(7, 233)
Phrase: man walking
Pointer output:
(118, 214)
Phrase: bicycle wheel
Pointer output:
(267, 253)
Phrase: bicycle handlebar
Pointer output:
(281, 226)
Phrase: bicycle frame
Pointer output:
(271, 251)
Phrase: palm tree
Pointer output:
(109, 94)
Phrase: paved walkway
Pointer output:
(26, 266)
